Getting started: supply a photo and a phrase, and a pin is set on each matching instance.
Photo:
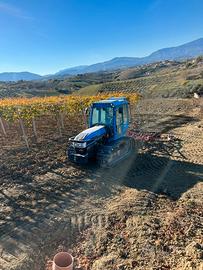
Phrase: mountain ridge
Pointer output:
(170, 53)
(17, 76)
(185, 51)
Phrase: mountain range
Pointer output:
(182, 52)
(17, 76)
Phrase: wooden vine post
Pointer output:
(60, 119)
(24, 133)
(85, 117)
(2, 126)
(59, 126)
(34, 127)
(61, 115)
(22, 128)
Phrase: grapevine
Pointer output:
(12, 109)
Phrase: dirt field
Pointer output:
(147, 213)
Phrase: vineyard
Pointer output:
(154, 80)
(143, 214)
(156, 86)
(25, 114)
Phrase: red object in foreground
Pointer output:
(63, 261)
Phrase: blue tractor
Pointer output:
(105, 140)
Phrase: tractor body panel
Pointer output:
(91, 133)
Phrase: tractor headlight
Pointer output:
(80, 145)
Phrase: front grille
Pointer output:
(81, 151)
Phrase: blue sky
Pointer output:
(44, 36)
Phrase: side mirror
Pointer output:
(86, 111)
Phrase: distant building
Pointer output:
(196, 95)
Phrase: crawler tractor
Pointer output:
(105, 140)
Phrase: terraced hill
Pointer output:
(157, 80)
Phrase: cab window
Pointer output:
(95, 116)
(119, 120)
(102, 116)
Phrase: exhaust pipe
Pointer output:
(63, 261)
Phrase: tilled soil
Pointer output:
(143, 230)
(146, 213)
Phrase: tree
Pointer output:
(199, 59)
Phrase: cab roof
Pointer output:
(114, 101)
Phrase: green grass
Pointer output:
(89, 90)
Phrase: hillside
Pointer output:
(52, 87)
(17, 76)
(161, 79)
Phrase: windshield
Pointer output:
(103, 116)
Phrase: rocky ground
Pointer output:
(147, 213)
